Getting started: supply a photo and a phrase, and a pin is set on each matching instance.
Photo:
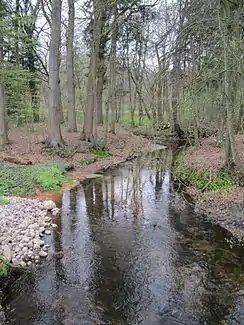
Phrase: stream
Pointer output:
(122, 255)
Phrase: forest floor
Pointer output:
(222, 206)
(26, 147)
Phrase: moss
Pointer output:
(22, 180)
(202, 180)
(100, 153)
(3, 266)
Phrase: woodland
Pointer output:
(91, 68)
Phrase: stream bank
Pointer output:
(215, 194)
(121, 254)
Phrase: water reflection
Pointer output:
(121, 255)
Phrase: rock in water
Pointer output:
(42, 254)
(7, 252)
(49, 205)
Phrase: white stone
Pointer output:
(15, 261)
(55, 211)
(47, 219)
(54, 225)
(41, 229)
(49, 205)
(7, 252)
(42, 254)
(48, 232)
(22, 263)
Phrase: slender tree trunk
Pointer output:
(16, 30)
(113, 66)
(35, 103)
(100, 82)
(54, 132)
(72, 127)
(3, 121)
(87, 133)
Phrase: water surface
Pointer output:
(121, 255)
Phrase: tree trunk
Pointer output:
(3, 121)
(72, 127)
(35, 103)
(100, 82)
(87, 133)
(54, 132)
(113, 66)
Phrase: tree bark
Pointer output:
(54, 132)
(72, 127)
(112, 65)
(3, 121)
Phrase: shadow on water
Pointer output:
(122, 255)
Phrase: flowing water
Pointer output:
(122, 255)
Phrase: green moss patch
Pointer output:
(204, 180)
(22, 180)
(100, 153)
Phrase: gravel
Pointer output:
(23, 226)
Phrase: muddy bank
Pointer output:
(223, 202)
(223, 208)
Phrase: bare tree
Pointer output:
(72, 127)
(54, 131)
(3, 122)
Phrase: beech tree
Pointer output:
(70, 68)
(3, 121)
(54, 131)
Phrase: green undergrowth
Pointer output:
(126, 120)
(100, 153)
(23, 180)
(3, 266)
(3, 200)
(204, 180)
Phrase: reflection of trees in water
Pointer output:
(107, 279)
(208, 270)
(112, 285)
